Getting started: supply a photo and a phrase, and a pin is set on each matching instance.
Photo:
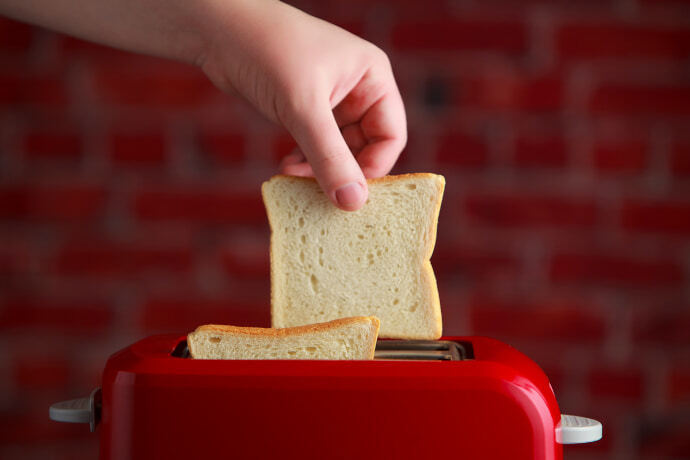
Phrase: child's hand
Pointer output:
(334, 92)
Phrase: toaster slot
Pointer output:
(181, 350)
(424, 350)
(410, 350)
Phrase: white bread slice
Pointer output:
(345, 338)
(327, 263)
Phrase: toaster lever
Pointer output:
(577, 430)
(81, 410)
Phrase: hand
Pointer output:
(334, 92)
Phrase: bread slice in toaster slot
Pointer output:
(388, 350)
(341, 339)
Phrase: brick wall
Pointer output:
(129, 203)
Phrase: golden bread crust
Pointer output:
(375, 180)
(286, 331)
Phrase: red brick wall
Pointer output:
(129, 203)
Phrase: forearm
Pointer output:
(334, 92)
(174, 29)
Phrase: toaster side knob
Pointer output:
(577, 430)
(81, 410)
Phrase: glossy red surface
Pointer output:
(498, 406)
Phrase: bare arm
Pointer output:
(165, 28)
(334, 92)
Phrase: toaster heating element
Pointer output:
(469, 397)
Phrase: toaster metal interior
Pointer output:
(409, 350)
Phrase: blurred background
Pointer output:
(130, 204)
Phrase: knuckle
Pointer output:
(380, 57)
(296, 108)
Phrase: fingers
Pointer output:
(334, 167)
(294, 157)
(385, 127)
(373, 120)
(354, 138)
(371, 87)
(377, 140)
(368, 122)
(295, 164)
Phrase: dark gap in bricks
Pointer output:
(223, 147)
(435, 93)
(665, 325)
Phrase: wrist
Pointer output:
(233, 30)
(196, 31)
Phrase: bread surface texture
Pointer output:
(340, 339)
(327, 263)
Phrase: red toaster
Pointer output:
(460, 397)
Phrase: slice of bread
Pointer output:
(345, 338)
(327, 263)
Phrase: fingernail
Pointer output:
(350, 196)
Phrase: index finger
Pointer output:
(385, 127)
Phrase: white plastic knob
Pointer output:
(577, 430)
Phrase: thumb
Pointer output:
(335, 169)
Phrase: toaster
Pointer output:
(461, 397)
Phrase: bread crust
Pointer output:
(426, 268)
(276, 333)
(273, 262)
(375, 180)
(289, 331)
